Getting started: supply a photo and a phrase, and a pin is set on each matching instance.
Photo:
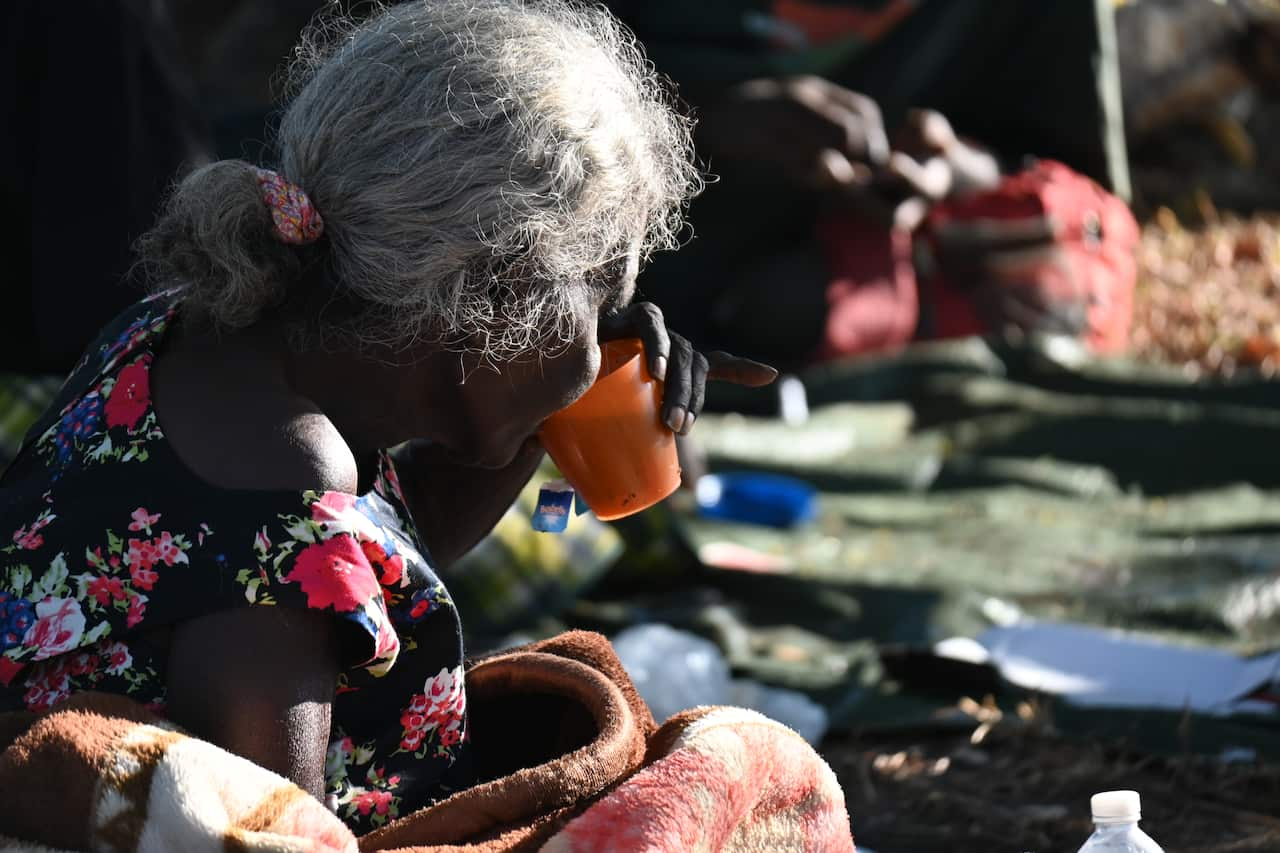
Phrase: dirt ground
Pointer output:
(1010, 783)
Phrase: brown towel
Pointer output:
(123, 780)
(555, 724)
(570, 757)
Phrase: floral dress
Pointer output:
(107, 535)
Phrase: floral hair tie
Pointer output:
(296, 220)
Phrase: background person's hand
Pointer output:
(927, 137)
(928, 162)
(683, 370)
(793, 129)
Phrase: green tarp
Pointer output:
(962, 484)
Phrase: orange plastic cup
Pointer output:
(611, 444)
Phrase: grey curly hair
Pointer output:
(478, 164)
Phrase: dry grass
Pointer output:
(1208, 298)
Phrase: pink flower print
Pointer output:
(390, 568)
(9, 670)
(388, 646)
(118, 658)
(420, 607)
(448, 699)
(393, 480)
(131, 395)
(143, 578)
(168, 550)
(142, 554)
(334, 573)
(137, 609)
(337, 758)
(104, 590)
(142, 520)
(262, 542)
(57, 629)
(377, 801)
(47, 686)
(338, 512)
(28, 540)
(441, 707)
(412, 739)
(81, 664)
(332, 504)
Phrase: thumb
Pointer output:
(837, 171)
(930, 179)
(928, 133)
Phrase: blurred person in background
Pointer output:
(838, 127)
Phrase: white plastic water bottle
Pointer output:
(1115, 816)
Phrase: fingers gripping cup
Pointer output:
(611, 444)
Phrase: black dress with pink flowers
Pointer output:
(108, 535)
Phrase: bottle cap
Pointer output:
(1116, 807)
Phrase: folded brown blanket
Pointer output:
(101, 773)
(570, 756)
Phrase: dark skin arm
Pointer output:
(236, 697)
(455, 506)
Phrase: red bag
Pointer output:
(1051, 240)
(1048, 250)
(871, 297)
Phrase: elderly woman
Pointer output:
(210, 518)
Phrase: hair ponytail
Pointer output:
(215, 239)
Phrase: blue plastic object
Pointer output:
(766, 499)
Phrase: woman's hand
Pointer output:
(683, 370)
(455, 505)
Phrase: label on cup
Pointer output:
(555, 503)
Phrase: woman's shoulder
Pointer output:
(233, 427)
